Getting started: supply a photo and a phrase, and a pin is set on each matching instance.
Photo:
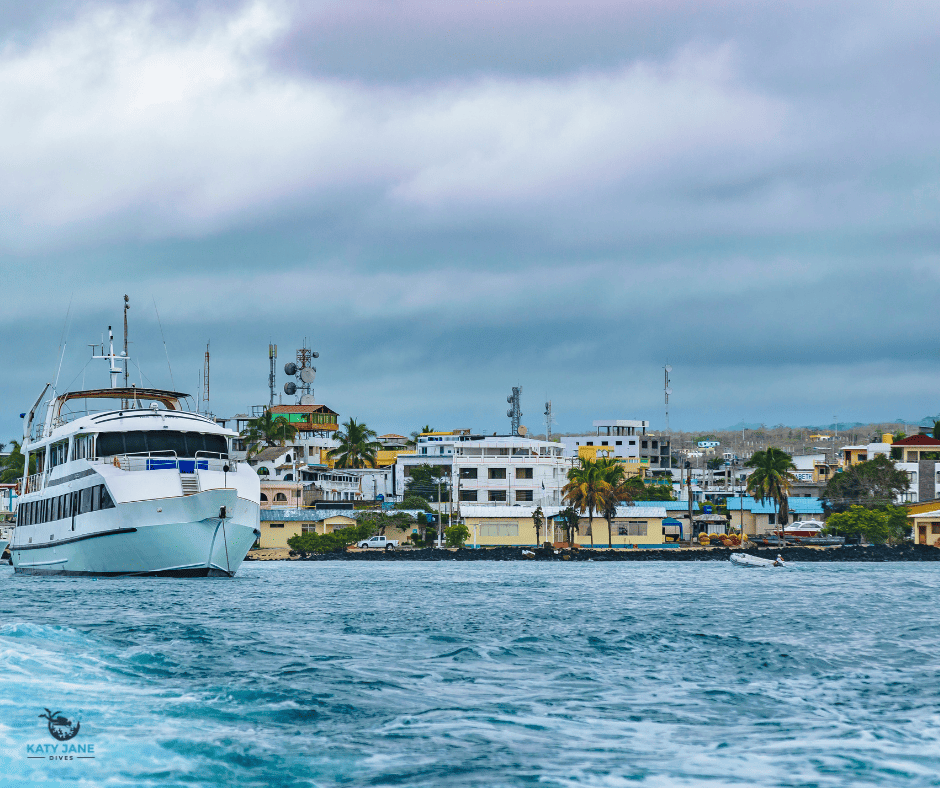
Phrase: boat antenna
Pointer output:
(160, 323)
(63, 342)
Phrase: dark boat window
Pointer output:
(183, 444)
(85, 506)
(96, 498)
(106, 502)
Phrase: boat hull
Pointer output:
(185, 538)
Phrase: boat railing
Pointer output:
(35, 482)
(167, 460)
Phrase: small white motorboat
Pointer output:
(754, 562)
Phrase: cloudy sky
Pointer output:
(449, 199)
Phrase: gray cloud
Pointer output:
(455, 199)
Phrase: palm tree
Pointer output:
(772, 479)
(570, 518)
(11, 467)
(267, 430)
(586, 489)
(538, 520)
(613, 473)
(356, 449)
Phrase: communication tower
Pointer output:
(548, 420)
(305, 373)
(667, 391)
(205, 380)
(515, 411)
(272, 357)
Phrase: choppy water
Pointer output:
(491, 674)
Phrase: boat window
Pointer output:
(83, 447)
(184, 444)
(85, 503)
(58, 453)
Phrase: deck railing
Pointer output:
(167, 460)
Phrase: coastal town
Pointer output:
(615, 485)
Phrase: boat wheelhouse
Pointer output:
(128, 481)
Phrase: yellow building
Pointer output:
(633, 466)
(279, 525)
(926, 526)
(495, 526)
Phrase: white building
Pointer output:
(625, 439)
(509, 470)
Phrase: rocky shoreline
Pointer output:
(852, 554)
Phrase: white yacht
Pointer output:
(143, 487)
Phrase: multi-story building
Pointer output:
(624, 439)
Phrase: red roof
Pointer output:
(917, 440)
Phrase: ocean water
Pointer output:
(483, 674)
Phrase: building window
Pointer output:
(603, 443)
(497, 473)
(499, 529)
(589, 443)
(643, 444)
(523, 495)
(523, 473)
(264, 498)
(468, 495)
(280, 497)
(276, 525)
(935, 528)
(468, 473)
(633, 443)
(771, 519)
(655, 445)
(497, 495)
(619, 443)
(632, 528)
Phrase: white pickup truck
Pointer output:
(377, 541)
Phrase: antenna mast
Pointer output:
(667, 391)
(205, 380)
(127, 305)
(272, 357)
(548, 420)
(515, 412)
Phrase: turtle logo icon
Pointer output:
(60, 727)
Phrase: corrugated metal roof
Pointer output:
(651, 510)
(276, 515)
(669, 506)
(796, 505)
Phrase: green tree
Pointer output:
(426, 480)
(456, 535)
(587, 489)
(356, 449)
(414, 502)
(876, 482)
(875, 525)
(538, 520)
(11, 466)
(639, 491)
(936, 429)
(337, 541)
(772, 478)
(267, 430)
(380, 521)
(570, 518)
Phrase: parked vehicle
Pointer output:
(377, 541)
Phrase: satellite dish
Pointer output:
(669, 391)
(668, 368)
(307, 399)
(523, 430)
(307, 374)
(315, 354)
(290, 388)
(509, 399)
(509, 414)
(290, 368)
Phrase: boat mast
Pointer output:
(113, 359)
